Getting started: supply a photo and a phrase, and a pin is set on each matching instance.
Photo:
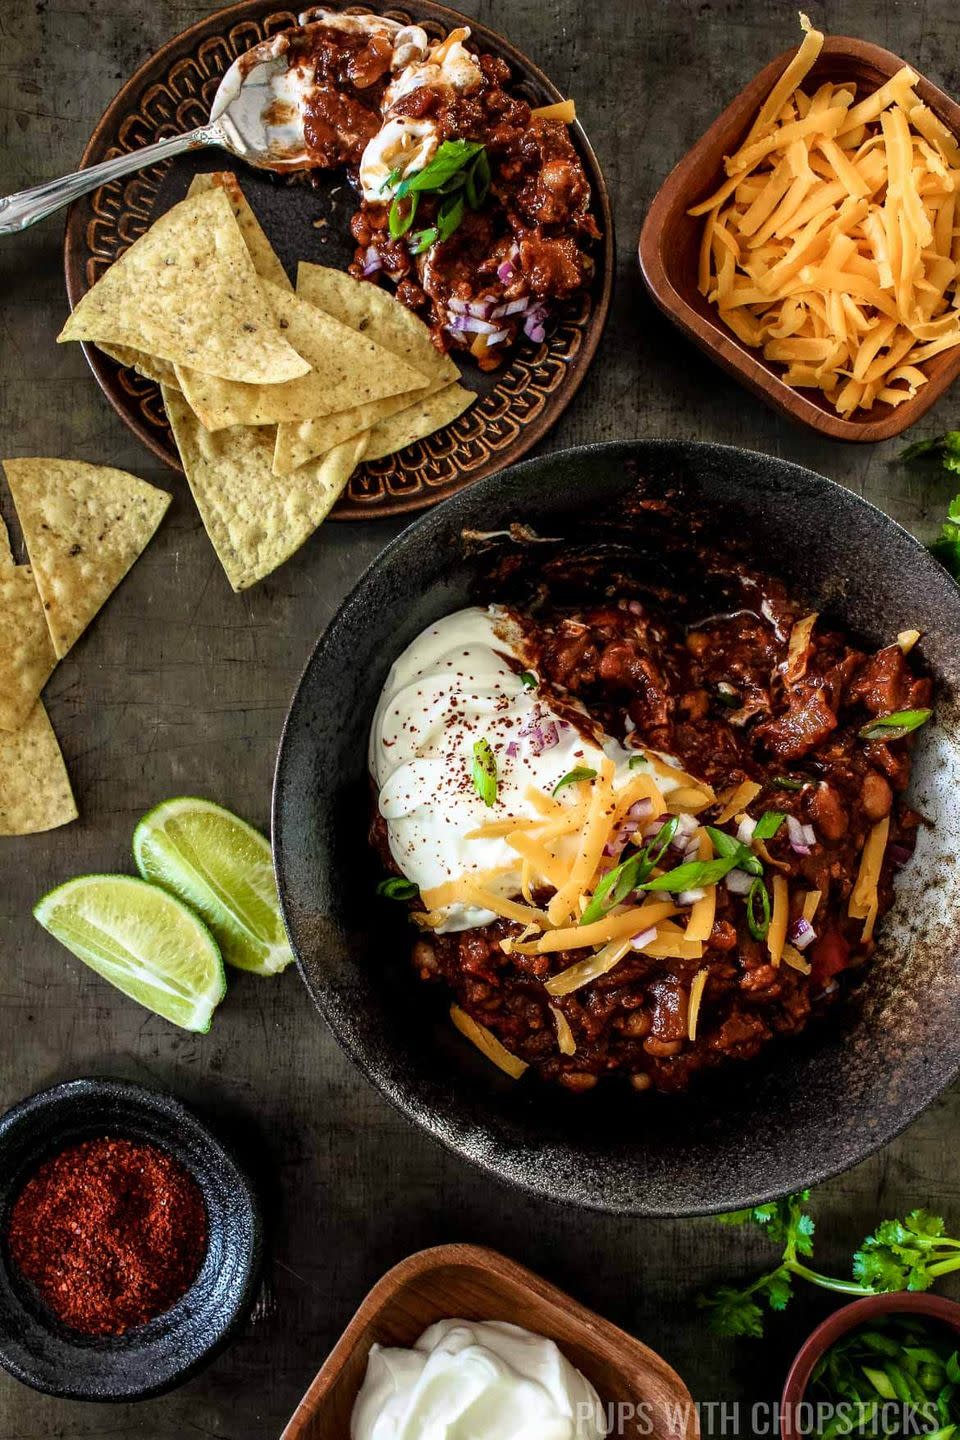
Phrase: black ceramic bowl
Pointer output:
(811, 1106)
(154, 1357)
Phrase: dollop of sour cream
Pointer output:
(459, 682)
(475, 1380)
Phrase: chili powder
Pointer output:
(111, 1233)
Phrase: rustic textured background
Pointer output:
(181, 687)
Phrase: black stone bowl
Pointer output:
(811, 1106)
(163, 1353)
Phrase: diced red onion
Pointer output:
(691, 850)
(802, 934)
(458, 307)
(639, 941)
(513, 750)
(899, 854)
(371, 261)
(506, 272)
(640, 810)
(797, 835)
(511, 307)
(690, 897)
(534, 332)
(497, 336)
(541, 736)
(481, 308)
(809, 835)
(474, 324)
(745, 832)
(686, 824)
(738, 882)
(614, 845)
(628, 725)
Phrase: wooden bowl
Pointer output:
(467, 1282)
(670, 238)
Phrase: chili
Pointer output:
(111, 1232)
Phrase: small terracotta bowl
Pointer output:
(670, 239)
(645, 1397)
(840, 1323)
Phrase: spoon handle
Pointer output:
(27, 206)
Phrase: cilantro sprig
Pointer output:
(946, 547)
(911, 1253)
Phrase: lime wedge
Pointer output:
(222, 868)
(143, 941)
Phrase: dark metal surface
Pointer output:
(181, 687)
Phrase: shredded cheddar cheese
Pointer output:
(565, 110)
(738, 800)
(832, 245)
(566, 1041)
(864, 901)
(777, 933)
(702, 916)
(487, 1043)
(693, 1005)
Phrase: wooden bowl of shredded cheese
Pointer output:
(810, 241)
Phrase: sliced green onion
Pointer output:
(450, 158)
(785, 782)
(768, 824)
(401, 219)
(758, 910)
(690, 875)
(579, 772)
(528, 680)
(615, 886)
(422, 240)
(390, 181)
(636, 761)
(729, 848)
(662, 841)
(483, 772)
(478, 181)
(449, 217)
(895, 725)
(397, 888)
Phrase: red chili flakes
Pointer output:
(111, 1233)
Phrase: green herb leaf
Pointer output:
(528, 680)
(401, 217)
(758, 910)
(579, 772)
(483, 772)
(422, 240)
(895, 725)
(451, 157)
(948, 444)
(768, 824)
(732, 1312)
(636, 761)
(397, 888)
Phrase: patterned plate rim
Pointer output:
(447, 446)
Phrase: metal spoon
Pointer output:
(249, 93)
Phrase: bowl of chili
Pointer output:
(130, 1241)
(808, 1106)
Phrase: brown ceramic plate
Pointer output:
(669, 244)
(172, 92)
(645, 1397)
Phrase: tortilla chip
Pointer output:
(35, 789)
(262, 253)
(348, 369)
(418, 421)
(255, 519)
(83, 526)
(26, 651)
(376, 314)
(151, 367)
(187, 291)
